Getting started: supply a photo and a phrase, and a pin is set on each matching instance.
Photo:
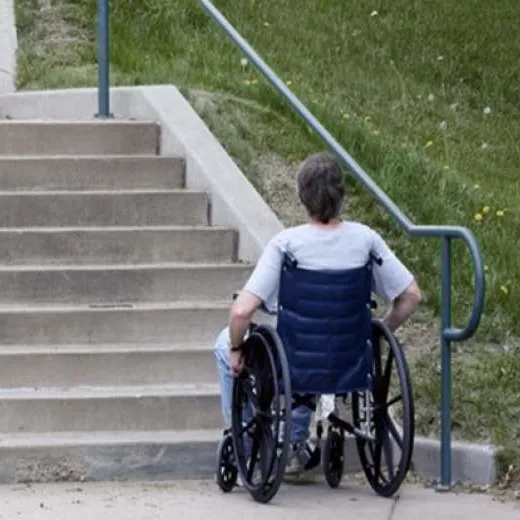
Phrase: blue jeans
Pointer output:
(301, 416)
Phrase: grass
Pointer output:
(424, 94)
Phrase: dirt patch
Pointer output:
(50, 469)
(278, 184)
(45, 22)
(48, 39)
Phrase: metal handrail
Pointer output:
(445, 233)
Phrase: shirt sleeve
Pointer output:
(264, 281)
(391, 278)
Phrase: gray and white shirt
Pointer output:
(346, 246)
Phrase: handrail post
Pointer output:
(445, 483)
(103, 60)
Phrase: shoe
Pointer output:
(304, 456)
(313, 456)
(294, 464)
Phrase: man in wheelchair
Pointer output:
(324, 243)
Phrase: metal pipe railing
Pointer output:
(445, 233)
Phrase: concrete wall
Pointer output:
(7, 46)
(234, 201)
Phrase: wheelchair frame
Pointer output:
(372, 426)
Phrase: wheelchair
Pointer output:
(326, 342)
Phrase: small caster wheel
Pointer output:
(227, 472)
(334, 459)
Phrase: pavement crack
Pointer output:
(393, 508)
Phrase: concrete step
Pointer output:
(123, 455)
(104, 365)
(139, 407)
(94, 245)
(94, 137)
(88, 173)
(121, 283)
(104, 456)
(103, 208)
(194, 322)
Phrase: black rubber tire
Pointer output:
(276, 452)
(383, 426)
(227, 472)
(334, 458)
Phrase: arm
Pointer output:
(261, 288)
(241, 315)
(403, 306)
(395, 283)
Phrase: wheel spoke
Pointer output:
(371, 449)
(251, 395)
(377, 367)
(389, 453)
(377, 457)
(393, 431)
(265, 416)
(385, 385)
(375, 467)
(254, 456)
(394, 400)
(247, 427)
(267, 452)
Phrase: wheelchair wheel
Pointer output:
(261, 414)
(334, 458)
(227, 472)
(386, 456)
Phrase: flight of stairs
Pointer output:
(113, 288)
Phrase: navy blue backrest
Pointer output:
(324, 322)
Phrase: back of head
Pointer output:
(321, 188)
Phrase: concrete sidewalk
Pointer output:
(202, 500)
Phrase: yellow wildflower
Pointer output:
(504, 289)
(288, 82)
(376, 132)
(478, 217)
(500, 213)
(485, 210)
(428, 144)
(346, 116)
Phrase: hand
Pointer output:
(236, 362)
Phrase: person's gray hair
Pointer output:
(320, 186)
